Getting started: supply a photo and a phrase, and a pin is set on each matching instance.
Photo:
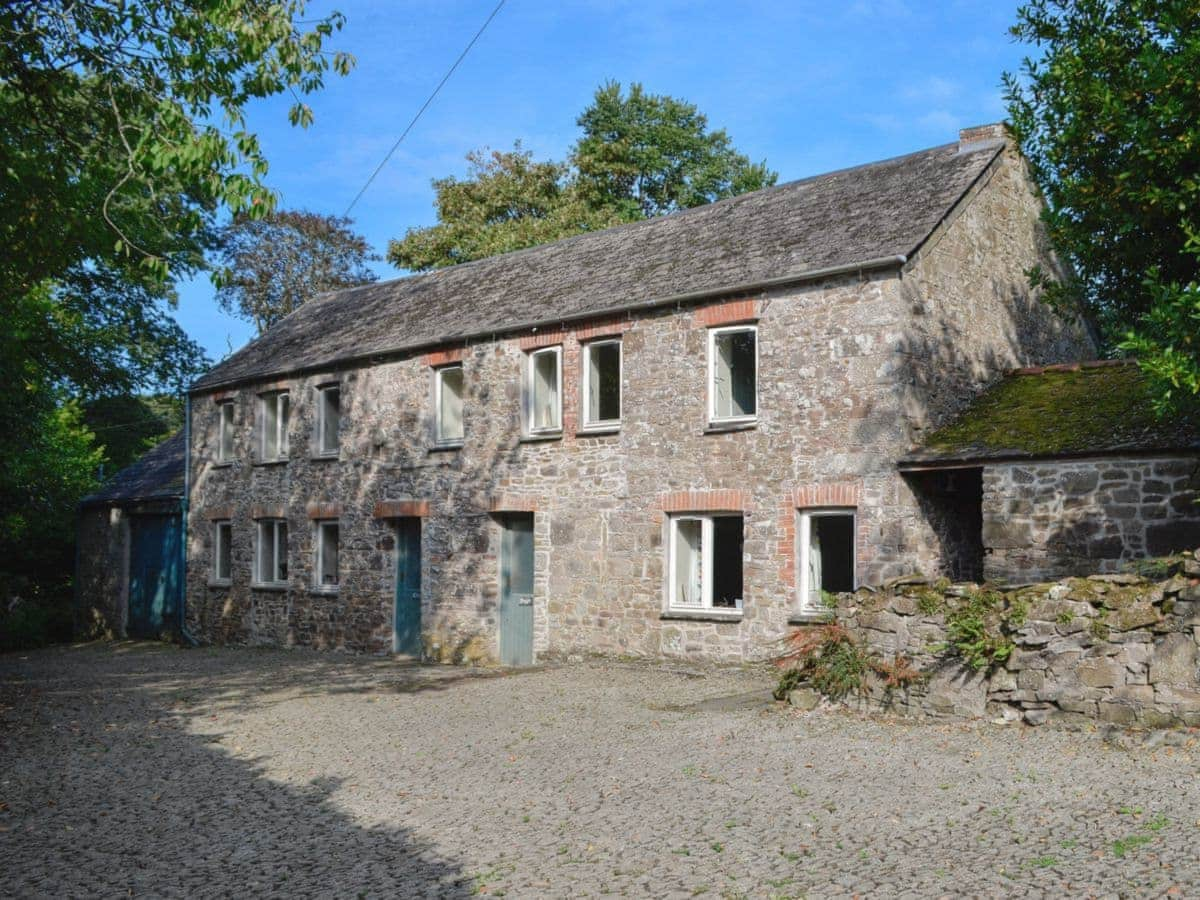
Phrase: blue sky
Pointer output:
(807, 86)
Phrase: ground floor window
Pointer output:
(271, 563)
(825, 547)
(222, 550)
(327, 555)
(705, 563)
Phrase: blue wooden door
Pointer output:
(154, 580)
(407, 634)
(516, 590)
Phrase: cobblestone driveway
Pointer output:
(148, 770)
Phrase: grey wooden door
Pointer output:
(516, 590)
(407, 632)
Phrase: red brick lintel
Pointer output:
(704, 501)
(844, 493)
(444, 357)
(731, 312)
(218, 512)
(268, 511)
(400, 509)
(323, 510)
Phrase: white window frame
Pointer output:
(281, 426)
(222, 560)
(527, 394)
(438, 438)
(319, 552)
(280, 548)
(586, 385)
(713, 418)
(805, 601)
(225, 431)
(706, 564)
(322, 411)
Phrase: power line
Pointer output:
(425, 106)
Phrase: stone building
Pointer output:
(666, 438)
(1065, 470)
(129, 576)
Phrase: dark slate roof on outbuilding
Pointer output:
(854, 216)
(1078, 409)
(158, 475)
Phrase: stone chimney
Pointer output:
(978, 135)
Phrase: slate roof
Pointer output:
(1067, 410)
(849, 217)
(158, 475)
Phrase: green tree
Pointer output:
(640, 155)
(271, 265)
(122, 136)
(650, 154)
(508, 201)
(127, 425)
(1108, 115)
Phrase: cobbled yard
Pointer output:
(148, 770)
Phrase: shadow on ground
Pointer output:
(98, 797)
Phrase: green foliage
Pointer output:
(126, 426)
(1108, 115)
(977, 628)
(640, 155)
(828, 658)
(273, 264)
(29, 624)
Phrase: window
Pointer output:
(825, 550)
(327, 555)
(225, 432)
(705, 563)
(274, 425)
(222, 551)
(329, 417)
(602, 384)
(448, 405)
(271, 563)
(733, 374)
(543, 396)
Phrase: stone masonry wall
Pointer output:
(1050, 519)
(835, 412)
(1118, 648)
(102, 540)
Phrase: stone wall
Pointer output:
(1119, 648)
(1049, 519)
(836, 408)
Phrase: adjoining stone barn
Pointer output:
(129, 576)
(1063, 470)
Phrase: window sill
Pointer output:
(598, 430)
(324, 591)
(540, 437)
(278, 587)
(223, 463)
(703, 615)
(811, 617)
(446, 447)
(722, 427)
(281, 461)
(325, 457)
(220, 583)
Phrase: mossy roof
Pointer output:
(1079, 410)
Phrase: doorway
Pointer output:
(406, 630)
(154, 581)
(516, 589)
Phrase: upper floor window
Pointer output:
(543, 391)
(602, 384)
(448, 405)
(733, 374)
(327, 555)
(705, 562)
(225, 431)
(271, 552)
(329, 417)
(274, 410)
(825, 551)
(222, 571)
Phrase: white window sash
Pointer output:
(222, 570)
(533, 399)
(225, 435)
(808, 570)
(591, 391)
(719, 383)
(325, 530)
(273, 531)
(328, 439)
(448, 432)
(275, 409)
(706, 564)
